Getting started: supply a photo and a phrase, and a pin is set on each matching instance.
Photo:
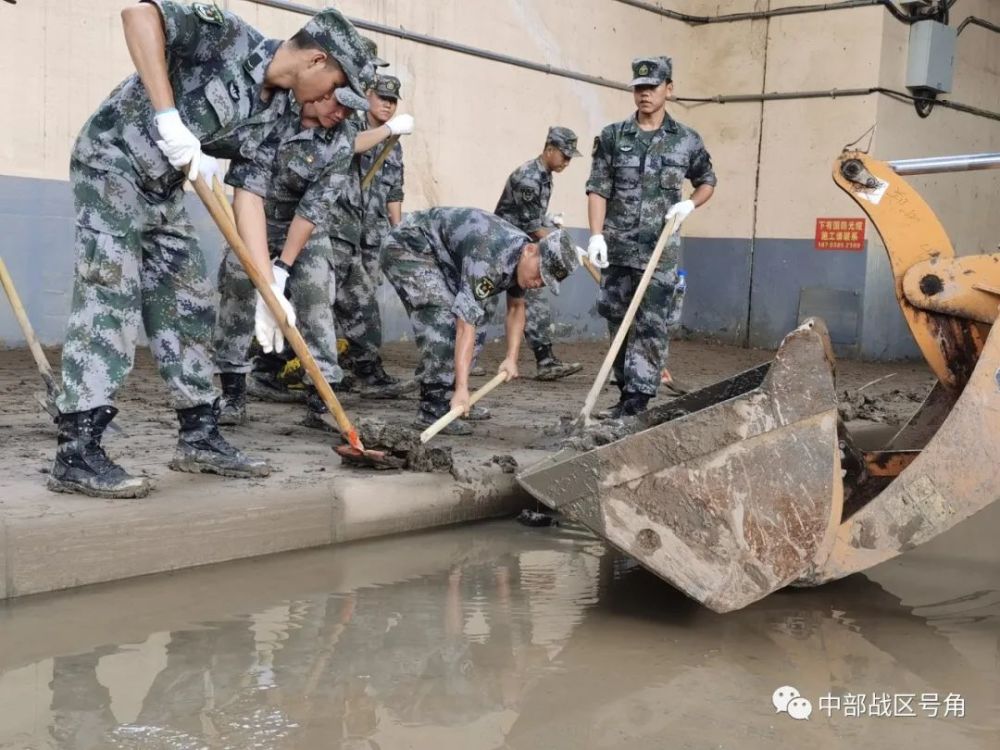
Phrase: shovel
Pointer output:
(354, 450)
(390, 144)
(619, 339)
(52, 389)
(455, 413)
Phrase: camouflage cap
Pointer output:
(348, 98)
(558, 258)
(563, 139)
(331, 30)
(651, 71)
(372, 48)
(388, 87)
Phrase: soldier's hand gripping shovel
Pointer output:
(52, 389)
(451, 416)
(354, 451)
(602, 376)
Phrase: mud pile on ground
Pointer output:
(889, 406)
(402, 443)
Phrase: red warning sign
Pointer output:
(840, 234)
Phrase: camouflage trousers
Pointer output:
(538, 325)
(356, 309)
(138, 267)
(642, 356)
(428, 297)
(311, 288)
(371, 260)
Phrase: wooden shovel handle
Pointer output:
(29, 333)
(220, 195)
(390, 144)
(626, 324)
(455, 413)
(291, 333)
(592, 270)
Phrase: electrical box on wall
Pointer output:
(930, 65)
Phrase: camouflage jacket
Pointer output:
(525, 197)
(299, 171)
(641, 182)
(477, 251)
(216, 63)
(386, 188)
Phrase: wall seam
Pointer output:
(756, 181)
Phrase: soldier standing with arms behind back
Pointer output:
(524, 203)
(638, 169)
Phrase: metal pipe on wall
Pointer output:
(792, 10)
(485, 54)
(942, 164)
(463, 49)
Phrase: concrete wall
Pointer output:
(749, 252)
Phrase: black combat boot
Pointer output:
(435, 402)
(233, 406)
(81, 464)
(629, 404)
(376, 383)
(317, 415)
(634, 403)
(202, 449)
(550, 367)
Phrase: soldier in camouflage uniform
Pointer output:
(380, 207)
(383, 201)
(639, 166)
(205, 80)
(356, 307)
(445, 263)
(301, 174)
(525, 203)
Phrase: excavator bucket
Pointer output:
(753, 483)
(737, 497)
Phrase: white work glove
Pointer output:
(581, 254)
(400, 125)
(268, 332)
(209, 167)
(177, 143)
(557, 220)
(597, 249)
(681, 210)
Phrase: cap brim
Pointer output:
(570, 153)
(349, 98)
(647, 81)
(550, 281)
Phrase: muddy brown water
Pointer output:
(499, 636)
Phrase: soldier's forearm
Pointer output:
(252, 226)
(395, 210)
(701, 194)
(514, 326)
(465, 346)
(368, 139)
(147, 46)
(597, 209)
(298, 235)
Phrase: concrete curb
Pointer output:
(206, 521)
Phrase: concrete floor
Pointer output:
(50, 541)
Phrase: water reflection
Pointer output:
(545, 640)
